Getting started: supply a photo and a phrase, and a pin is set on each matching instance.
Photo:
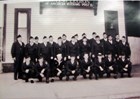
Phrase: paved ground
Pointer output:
(122, 88)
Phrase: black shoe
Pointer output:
(90, 77)
(26, 80)
(61, 78)
(129, 76)
(85, 77)
(47, 81)
(108, 75)
(67, 78)
(52, 80)
(74, 78)
(96, 78)
(115, 77)
(40, 80)
(122, 76)
(15, 79)
(32, 81)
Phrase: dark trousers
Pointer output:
(69, 73)
(114, 71)
(99, 72)
(122, 71)
(46, 75)
(18, 68)
(30, 74)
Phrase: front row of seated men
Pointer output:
(73, 67)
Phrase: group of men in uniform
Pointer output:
(91, 58)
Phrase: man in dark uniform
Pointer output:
(125, 48)
(110, 46)
(111, 66)
(81, 40)
(18, 52)
(104, 42)
(84, 47)
(59, 46)
(117, 47)
(30, 49)
(42, 69)
(37, 44)
(92, 40)
(59, 69)
(65, 44)
(125, 66)
(87, 67)
(100, 65)
(44, 50)
(73, 48)
(52, 45)
(28, 69)
(72, 68)
(96, 48)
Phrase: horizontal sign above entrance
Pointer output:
(85, 4)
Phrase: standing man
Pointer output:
(84, 47)
(65, 44)
(17, 52)
(117, 46)
(110, 46)
(96, 48)
(37, 44)
(104, 42)
(125, 48)
(73, 48)
(30, 49)
(44, 49)
(53, 51)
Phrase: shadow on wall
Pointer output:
(135, 49)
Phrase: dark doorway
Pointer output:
(111, 22)
(24, 28)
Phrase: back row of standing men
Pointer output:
(50, 50)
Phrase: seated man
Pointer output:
(59, 67)
(72, 68)
(99, 64)
(110, 66)
(28, 69)
(86, 66)
(42, 69)
(125, 66)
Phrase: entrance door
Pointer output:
(23, 23)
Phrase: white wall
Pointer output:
(135, 49)
(61, 20)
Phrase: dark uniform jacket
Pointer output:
(97, 63)
(111, 48)
(39, 68)
(125, 49)
(44, 51)
(122, 63)
(84, 65)
(104, 42)
(70, 66)
(30, 51)
(30, 66)
(84, 48)
(97, 48)
(117, 48)
(73, 49)
(109, 63)
(65, 48)
(18, 50)
(37, 46)
(53, 50)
